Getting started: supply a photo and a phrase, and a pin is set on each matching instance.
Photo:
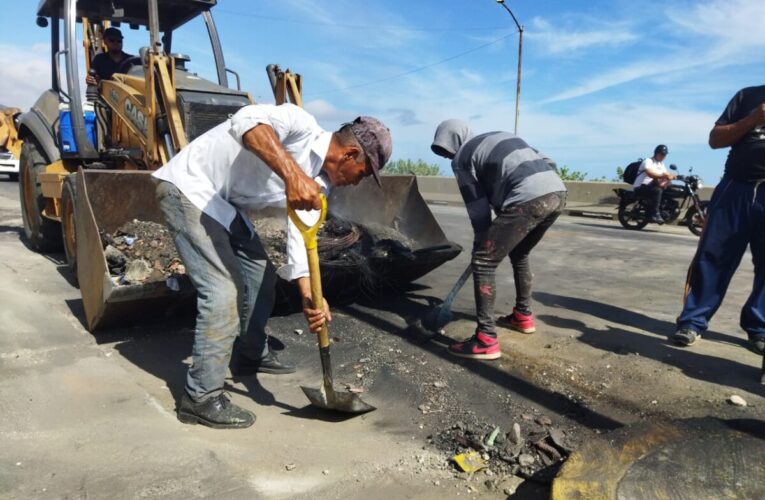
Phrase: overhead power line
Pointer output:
(355, 26)
(415, 70)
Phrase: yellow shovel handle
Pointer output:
(309, 237)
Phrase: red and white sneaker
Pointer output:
(519, 322)
(479, 346)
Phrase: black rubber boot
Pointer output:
(216, 412)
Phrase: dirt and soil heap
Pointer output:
(144, 252)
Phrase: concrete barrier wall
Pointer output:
(595, 194)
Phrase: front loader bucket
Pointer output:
(107, 199)
(400, 206)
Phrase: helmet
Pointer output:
(661, 149)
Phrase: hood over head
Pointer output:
(450, 136)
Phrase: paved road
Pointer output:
(92, 416)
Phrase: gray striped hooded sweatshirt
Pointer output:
(495, 170)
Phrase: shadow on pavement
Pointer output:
(11, 229)
(693, 364)
(625, 317)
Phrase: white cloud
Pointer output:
(471, 76)
(326, 113)
(24, 74)
(717, 44)
(556, 41)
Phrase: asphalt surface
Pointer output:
(92, 416)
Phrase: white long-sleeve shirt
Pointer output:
(220, 176)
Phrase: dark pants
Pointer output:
(235, 288)
(514, 233)
(736, 219)
(652, 193)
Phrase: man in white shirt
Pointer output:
(652, 179)
(263, 155)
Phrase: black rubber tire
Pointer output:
(626, 220)
(695, 227)
(42, 234)
(68, 227)
(13, 177)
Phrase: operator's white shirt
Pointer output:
(643, 178)
(220, 176)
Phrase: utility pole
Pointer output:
(520, 56)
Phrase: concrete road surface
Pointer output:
(92, 416)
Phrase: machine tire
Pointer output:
(42, 234)
(627, 221)
(692, 220)
(68, 227)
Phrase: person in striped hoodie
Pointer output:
(499, 171)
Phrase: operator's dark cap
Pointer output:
(374, 138)
(113, 33)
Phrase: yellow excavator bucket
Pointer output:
(106, 200)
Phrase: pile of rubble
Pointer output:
(144, 252)
(529, 455)
(141, 252)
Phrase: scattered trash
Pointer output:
(544, 421)
(173, 284)
(526, 460)
(290, 466)
(469, 462)
(325, 472)
(558, 438)
(354, 389)
(365, 360)
(737, 400)
(515, 434)
(492, 437)
(137, 271)
(298, 331)
(439, 384)
(423, 408)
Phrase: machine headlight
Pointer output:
(700, 185)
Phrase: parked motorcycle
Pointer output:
(679, 197)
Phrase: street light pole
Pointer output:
(520, 56)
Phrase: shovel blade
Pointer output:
(339, 401)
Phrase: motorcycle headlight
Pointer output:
(700, 185)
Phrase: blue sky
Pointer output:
(604, 81)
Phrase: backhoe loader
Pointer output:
(86, 161)
(10, 144)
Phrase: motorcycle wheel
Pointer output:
(693, 220)
(633, 215)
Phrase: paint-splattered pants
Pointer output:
(514, 233)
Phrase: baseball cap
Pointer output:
(113, 33)
(374, 138)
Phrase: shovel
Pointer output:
(438, 317)
(324, 397)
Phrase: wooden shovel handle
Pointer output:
(311, 247)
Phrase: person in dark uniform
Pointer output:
(107, 63)
(736, 219)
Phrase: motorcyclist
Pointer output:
(653, 177)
